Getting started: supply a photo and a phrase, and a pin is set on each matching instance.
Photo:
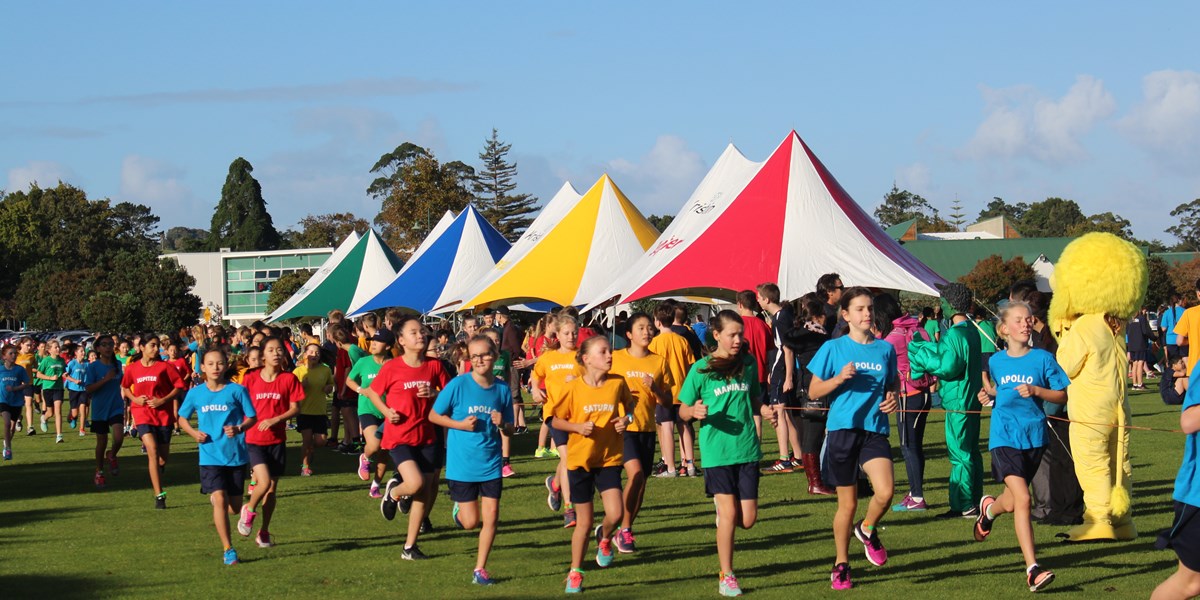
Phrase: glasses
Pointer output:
(481, 356)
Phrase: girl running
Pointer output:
(13, 381)
(476, 408)
(592, 410)
(369, 417)
(103, 381)
(547, 340)
(856, 373)
(312, 422)
(722, 392)
(1023, 378)
(555, 368)
(404, 391)
(27, 360)
(49, 373)
(76, 392)
(646, 375)
(153, 388)
(276, 397)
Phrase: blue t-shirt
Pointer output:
(474, 456)
(228, 406)
(14, 376)
(1021, 422)
(1187, 483)
(76, 370)
(106, 402)
(855, 404)
(1167, 322)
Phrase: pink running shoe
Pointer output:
(872, 547)
(839, 579)
(246, 521)
(507, 471)
(374, 492)
(364, 467)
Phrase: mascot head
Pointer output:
(1098, 273)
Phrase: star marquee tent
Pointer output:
(571, 252)
(785, 220)
(356, 270)
(453, 257)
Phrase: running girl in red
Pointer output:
(153, 388)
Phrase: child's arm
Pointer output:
(1189, 421)
(467, 424)
(233, 430)
(1055, 396)
(585, 428)
(187, 428)
(819, 388)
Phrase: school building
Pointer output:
(234, 286)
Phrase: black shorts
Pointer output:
(351, 403)
(369, 420)
(1136, 355)
(425, 456)
(77, 398)
(740, 480)
(639, 446)
(776, 395)
(1184, 536)
(984, 360)
(14, 412)
(100, 427)
(273, 456)
(52, 395)
(1007, 462)
(318, 424)
(231, 480)
(585, 484)
(557, 437)
(470, 491)
(848, 449)
(666, 414)
(162, 433)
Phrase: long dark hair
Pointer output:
(884, 310)
(725, 367)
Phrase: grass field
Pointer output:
(61, 538)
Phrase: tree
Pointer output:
(134, 226)
(415, 190)
(510, 213)
(1183, 279)
(1104, 222)
(1187, 230)
(1052, 217)
(241, 221)
(108, 311)
(184, 239)
(902, 205)
(285, 287)
(990, 279)
(660, 222)
(328, 230)
(957, 216)
(999, 208)
(1159, 287)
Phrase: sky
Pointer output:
(149, 102)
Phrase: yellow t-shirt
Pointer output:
(552, 369)
(314, 380)
(1189, 325)
(674, 349)
(633, 370)
(29, 362)
(576, 402)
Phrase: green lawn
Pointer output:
(63, 539)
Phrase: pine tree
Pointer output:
(241, 221)
(510, 213)
(957, 216)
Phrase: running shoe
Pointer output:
(569, 518)
(113, 469)
(388, 506)
(574, 581)
(1038, 578)
(624, 541)
(507, 471)
(231, 557)
(426, 526)
(413, 553)
(29, 431)
(692, 471)
(160, 501)
(345, 448)
(71, 424)
(481, 577)
(983, 524)
(872, 547)
(305, 471)
(839, 579)
(604, 551)
(404, 504)
(374, 491)
(364, 467)
(970, 513)
(522, 430)
(143, 449)
(658, 467)
(552, 452)
(98, 479)
(82, 433)
(44, 428)
(910, 505)
(58, 439)
(264, 539)
(540, 453)
(246, 521)
(554, 497)
(667, 474)
(454, 515)
(797, 464)
(7, 454)
(728, 586)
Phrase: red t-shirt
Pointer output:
(758, 343)
(184, 369)
(271, 399)
(397, 382)
(154, 381)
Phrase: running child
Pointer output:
(476, 408)
(403, 392)
(1184, 535)
(369, 417)
(1023, 378)
(13, 381)
(27, 360)
(276, 397)
(74, 378)
(857, 374)
(153, 388)
(103, 381)
(592, 409)
(674, 349)
(224, 414)
(49, 377)
(721, 392)
(313, 424)
(541, 344)
(501, 368)
(646, 376)
(555, 368)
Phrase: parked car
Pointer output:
(1153, 318)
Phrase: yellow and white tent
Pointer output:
(590, 243)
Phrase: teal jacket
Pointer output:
(955, 361)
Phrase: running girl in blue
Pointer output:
(13, 381)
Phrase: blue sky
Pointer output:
(150, 102)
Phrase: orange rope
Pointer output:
(980, 412)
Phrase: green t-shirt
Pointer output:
(54, 367)
(364, 372)
(501, 367)
(987, 336)
(727, 434)
(356, 353)
(932, 328)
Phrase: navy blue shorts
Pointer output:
(985, 359)
(1136, 355)
(369, 420)
(848, 449)
(559, 438)
(470, 491)
(77, 398)
(1184, 536)
(318, 424)
(102, 426)
(1015, 462)
(666, 414)
(776, 395)
(425, 456)
(585, 483)
(273, 456)
(231, 480)
(740, 480)
(52, 395)
(639, 446)
(161, 433)
(14, 412)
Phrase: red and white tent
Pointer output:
(785, 220)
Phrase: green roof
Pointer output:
(1177, 258)
(954, 258)
(898, 230)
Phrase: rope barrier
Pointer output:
(981, 412)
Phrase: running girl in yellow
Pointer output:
(555, 368)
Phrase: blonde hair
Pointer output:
(565, 319)
(1008, 308)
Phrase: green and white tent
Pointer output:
(354, 273)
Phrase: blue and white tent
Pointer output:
(454, 257)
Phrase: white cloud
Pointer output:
(915, 178)
(160, 185)
(661, 181)
(1167, 121)
(1023, 123)
(45, 173)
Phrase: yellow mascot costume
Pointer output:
(1099, 284)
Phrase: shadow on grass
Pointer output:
(65, 587)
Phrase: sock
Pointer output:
(784, 457)
(228, 548)
(867, 527)
(407, 548)
(577, 570)
(1030, 568)
(917, 498)
(571, 506)
(505, 460)
(988, 512)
